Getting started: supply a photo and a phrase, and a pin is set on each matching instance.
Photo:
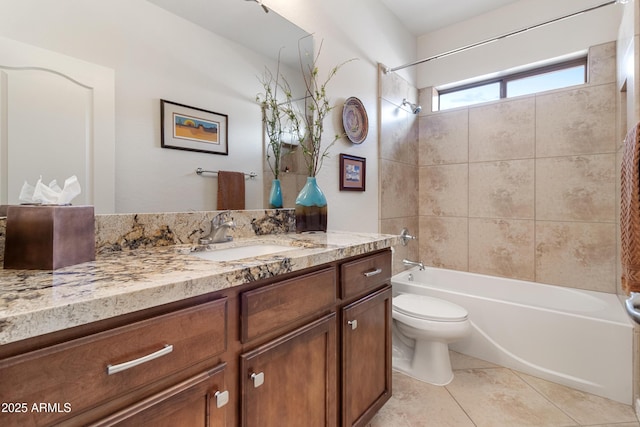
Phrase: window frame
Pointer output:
(504, 80)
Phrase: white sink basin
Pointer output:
(240, 252)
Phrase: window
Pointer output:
(550, 77)
(469, 96)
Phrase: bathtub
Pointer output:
(582, 339)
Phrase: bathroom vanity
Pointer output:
(163, 336)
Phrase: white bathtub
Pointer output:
(582, 339)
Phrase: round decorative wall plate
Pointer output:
(355, 120)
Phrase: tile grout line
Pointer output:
(544, 396)
(460, 406)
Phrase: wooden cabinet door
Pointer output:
(291, 381)
(366, 357)
(197, 402)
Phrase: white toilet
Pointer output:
(423, 327)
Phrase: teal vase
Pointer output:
(275, 195)
(311, 208)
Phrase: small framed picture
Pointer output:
(193, 129)
(352, 173)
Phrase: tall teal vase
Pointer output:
(275, 195)
(311, 208)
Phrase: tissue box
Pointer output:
(49, 237)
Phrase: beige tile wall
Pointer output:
(522, 188)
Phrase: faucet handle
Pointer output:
(405, 236)
(219, 218)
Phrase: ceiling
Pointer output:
(423, 16)
(418, 16)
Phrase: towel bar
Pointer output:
(250, 175)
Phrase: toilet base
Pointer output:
(425, 341)
(425, 361)
(410, 373)
(431, 362)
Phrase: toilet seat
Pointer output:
(429, 308)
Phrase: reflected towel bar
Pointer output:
(249, 175)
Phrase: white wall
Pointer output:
(156, 55)
(550, 41)
(628, 68)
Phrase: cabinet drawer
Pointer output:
(365, 274)
(82, 373)
(275, 306)
(193, 402)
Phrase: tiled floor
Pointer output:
(486, 395)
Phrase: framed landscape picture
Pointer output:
(193, 129)
(352, 173)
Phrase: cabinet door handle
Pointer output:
(373, 273)
(258, 379)
(353, 324)
(113, 369)
(222, 398)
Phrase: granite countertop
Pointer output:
(37, 302)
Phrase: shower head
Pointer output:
(415, 108)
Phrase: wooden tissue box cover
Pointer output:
(49, 237)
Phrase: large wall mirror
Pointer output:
(107, 134)
(56, 120)
(254, 26)
(270, 34)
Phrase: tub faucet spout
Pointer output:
(416, 263)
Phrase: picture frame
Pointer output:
(193, 129)
(353, 171)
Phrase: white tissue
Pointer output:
(51, 194)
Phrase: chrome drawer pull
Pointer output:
(113, 369)
(373, 273)
(222, 398)
(258, 379)
(353, 324)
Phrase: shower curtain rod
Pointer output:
(504, 36)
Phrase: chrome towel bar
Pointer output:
(249, 175)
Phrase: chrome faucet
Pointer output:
(419, 264)
(405, 236)
(219, 226)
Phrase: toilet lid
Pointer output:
(429, 308)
